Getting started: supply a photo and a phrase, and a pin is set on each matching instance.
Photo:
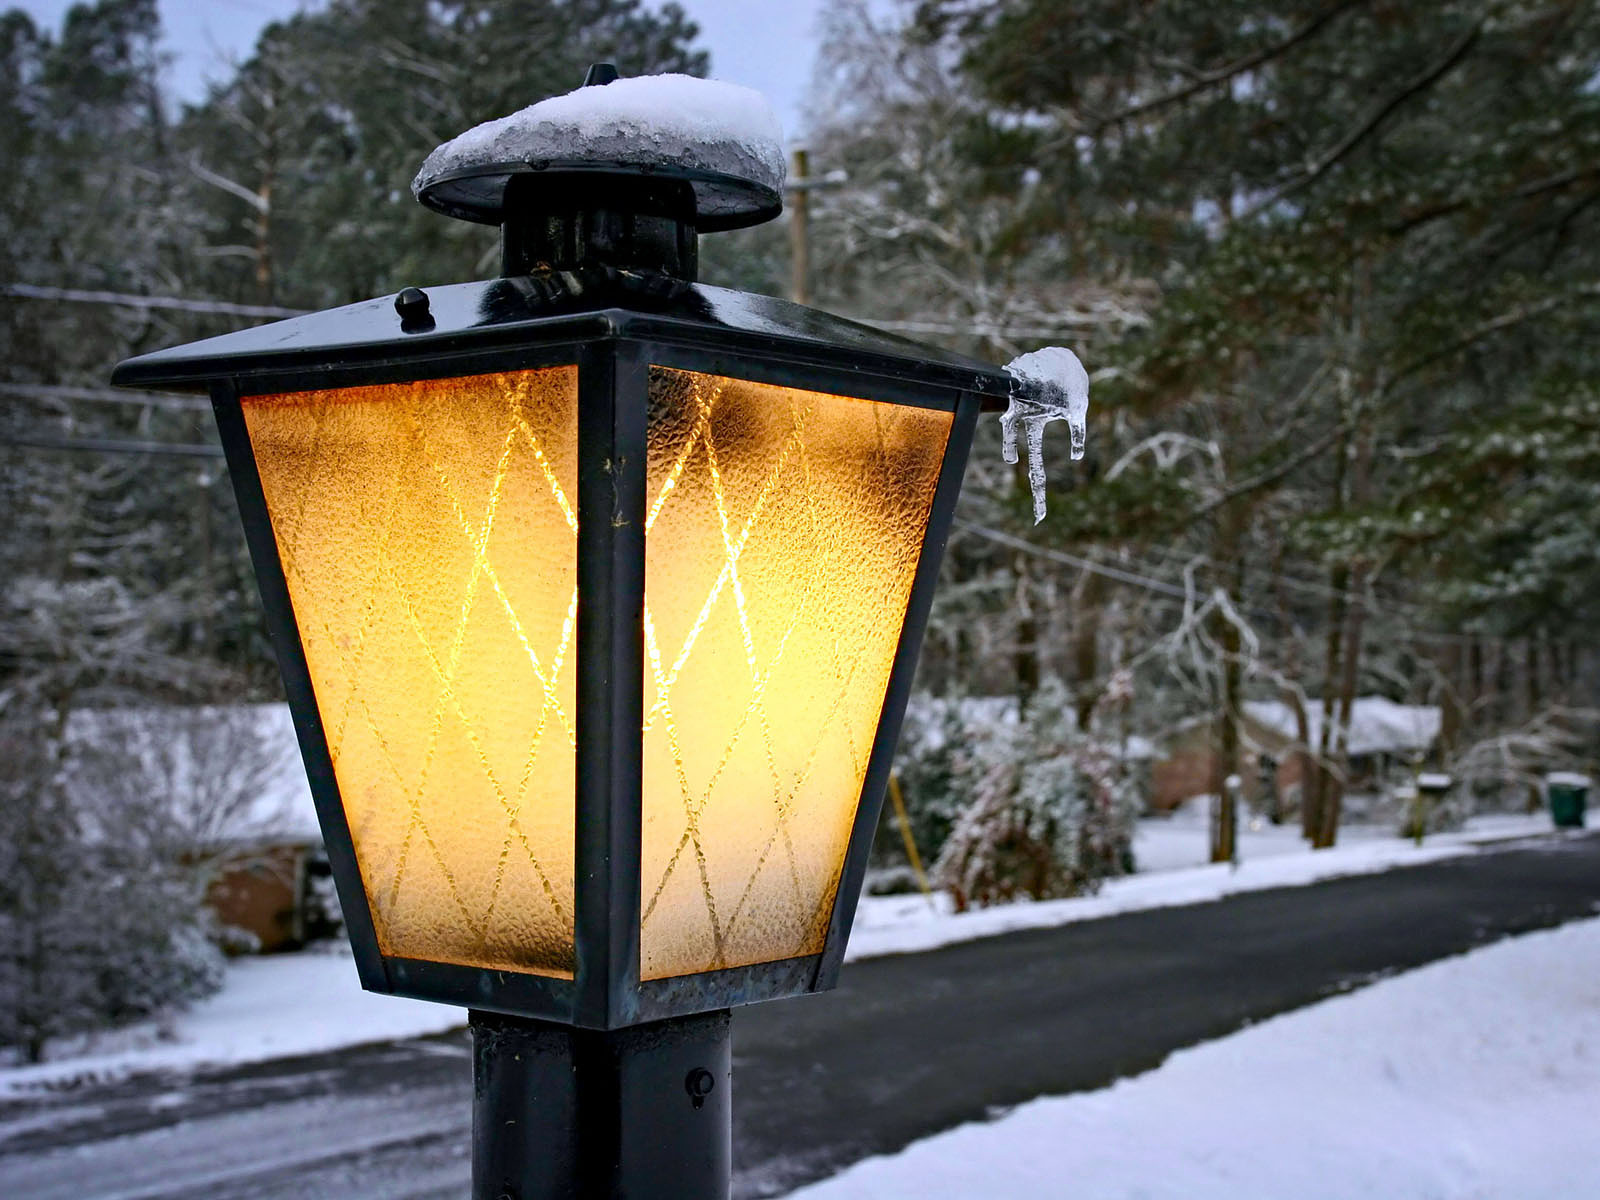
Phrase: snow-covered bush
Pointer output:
(95, 928)
(933, 763)
(1049, 811)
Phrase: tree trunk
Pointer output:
(1026, 658)
(1474, 683)
(1355, 612)
(1086, 646)
(1450, 714)
(1318, 782)
(1225, 829)
(1350, 676)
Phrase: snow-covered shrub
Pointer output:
(1506, 769)
(96, 928)
(933, 763)
(1049, 812)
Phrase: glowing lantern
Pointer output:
(597, 595)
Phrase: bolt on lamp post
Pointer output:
(597, 594)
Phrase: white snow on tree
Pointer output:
(101, 920)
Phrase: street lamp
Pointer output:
(597, 594)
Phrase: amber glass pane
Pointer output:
(783, 531)
(427, 532)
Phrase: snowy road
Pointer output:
(907, 1046)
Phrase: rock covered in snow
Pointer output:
(1046, 385)
(646, 121)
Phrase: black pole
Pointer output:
(560, 1113)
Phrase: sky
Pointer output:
(764, 44)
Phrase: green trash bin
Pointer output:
(1569, 797)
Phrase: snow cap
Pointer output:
(1568, 779)
(723, 139)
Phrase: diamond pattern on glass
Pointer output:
(783, 531)
(428, 536)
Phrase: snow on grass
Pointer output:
(1475, 1077)
(1172, 856)
(270, 1007)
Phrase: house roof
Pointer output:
(1378, 725)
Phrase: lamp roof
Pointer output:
(464, 318)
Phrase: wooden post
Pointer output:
(799, 243)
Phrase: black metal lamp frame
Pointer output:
(613, 350)
(625, 1082)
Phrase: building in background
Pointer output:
(1385, 737)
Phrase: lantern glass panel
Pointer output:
(783, 531)
(427, 533)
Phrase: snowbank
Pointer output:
(271, 1007)
(1274, 856)
(1477, 1076)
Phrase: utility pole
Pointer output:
(799, 220)
(799, 188)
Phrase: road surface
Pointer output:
(905, 1047)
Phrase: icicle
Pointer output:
(1047, 385)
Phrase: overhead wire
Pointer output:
(93, 445)
(1165, 588)
(56, 391)
(30, 291)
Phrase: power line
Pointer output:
(1164, 588)
(29, 291)
(56, 391)
(974, 328)
(1073, 560)
(44, 441)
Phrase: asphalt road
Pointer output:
(905, 1047)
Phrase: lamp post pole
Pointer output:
(560, 1113)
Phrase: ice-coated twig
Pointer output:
(1046, 385)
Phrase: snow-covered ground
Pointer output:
(1474, 1077)
(1171, 854)
(288, 1004)
(269, 1007)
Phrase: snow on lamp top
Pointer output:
(724, 139)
